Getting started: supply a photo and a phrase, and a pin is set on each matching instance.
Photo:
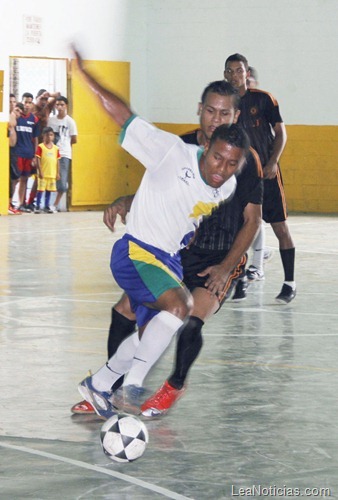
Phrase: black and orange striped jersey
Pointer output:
(259, 115)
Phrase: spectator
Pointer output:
(66, 135)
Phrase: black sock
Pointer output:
(288, 261)
(120, 328)
(189, 344)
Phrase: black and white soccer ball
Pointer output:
(124, 437)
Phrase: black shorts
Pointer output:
(274, 204)
(195, 260)
(14, 171)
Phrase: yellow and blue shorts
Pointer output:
(144, 272)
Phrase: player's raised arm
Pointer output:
(115, 107)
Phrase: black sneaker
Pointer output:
(286, 295)
(240, 290)
(24, 208)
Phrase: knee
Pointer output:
(123, 307)
(182, 308)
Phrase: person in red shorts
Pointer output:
(27, 132)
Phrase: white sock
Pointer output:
(117, 365)
(155, 339)
(291, 283)
(258, 248)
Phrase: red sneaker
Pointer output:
(159, 403)
(83, 408)
(14, 211)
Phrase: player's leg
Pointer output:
(122, 326)
(287, 253)
(190, 340)
(275, 213)
(255, 271)
(174, 305)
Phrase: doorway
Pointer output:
(31, 74)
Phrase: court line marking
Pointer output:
(102, 470)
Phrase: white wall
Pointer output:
(292, 43)
(176, 47)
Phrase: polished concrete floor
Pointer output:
(262, 403)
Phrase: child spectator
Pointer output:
(48, 169)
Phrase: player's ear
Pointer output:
(199, 109)
(237, 113)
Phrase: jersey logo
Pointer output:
(201, 208)
(253, 111)
(186, 175)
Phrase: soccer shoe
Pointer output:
(83, 408)
(240, 290)
(128, 399)
(254, 274)
(286, 295)
(100, 400)
(37, 210)
(159, 403)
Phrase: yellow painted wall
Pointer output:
(4, 169)
(310, 169)
(309, 166)
(101, 169)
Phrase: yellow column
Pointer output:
(4, 169)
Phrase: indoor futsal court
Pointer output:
(261, 406)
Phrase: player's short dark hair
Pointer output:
(20, 106)
(41, 91)
(62, 98)
(46, 130)
(28, 95)
(234, 135)
(221, 87)
(235, 58)
(12, 95)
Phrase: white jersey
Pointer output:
(172, 197)
(63, 128)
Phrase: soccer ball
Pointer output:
(124, 437)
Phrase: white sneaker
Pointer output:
(53, 210)
(254, 274)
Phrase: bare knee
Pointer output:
(177, 301)
(123, 307)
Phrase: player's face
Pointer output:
(215, 111)
(236, 74)
(27, 104)
(220, 162)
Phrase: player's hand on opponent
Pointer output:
(270, 170)
(216, 280)
(120, 207)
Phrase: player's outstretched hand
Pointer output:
(216, 279)
(120, 207)
(77, 55)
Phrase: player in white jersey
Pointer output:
(182, 184)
